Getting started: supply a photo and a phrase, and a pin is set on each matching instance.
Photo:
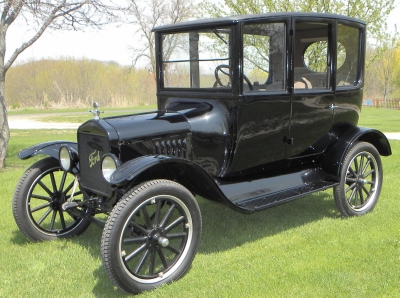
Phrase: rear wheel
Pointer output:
(37, 202)
(360, 180)
(151, 236)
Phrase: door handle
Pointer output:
(332, 107)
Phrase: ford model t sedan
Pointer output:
(253, 111)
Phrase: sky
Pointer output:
(110, 44)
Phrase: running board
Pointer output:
(267, 192)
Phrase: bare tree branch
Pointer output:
(53, 15)
(41, 15)
(156, 13)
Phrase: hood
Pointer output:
(146, 125)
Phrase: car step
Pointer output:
(269, 200)
(253, 195)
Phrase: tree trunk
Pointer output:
(384, 97)
(5, 130)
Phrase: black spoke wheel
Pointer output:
(38, 199)
(151, 236)
(360, 180)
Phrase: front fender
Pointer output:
(183, 171)
(47, 148)
(333, 157)
(131, 169)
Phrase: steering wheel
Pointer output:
(248, 82)
(220, 68)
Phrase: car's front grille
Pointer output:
(91, 148)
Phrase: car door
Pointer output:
(312, 100)
(264, 104)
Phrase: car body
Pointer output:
(253, 111)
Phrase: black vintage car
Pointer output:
(253, 111)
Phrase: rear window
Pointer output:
(348, 57)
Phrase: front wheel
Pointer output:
(151, 236)
(360, 180)
(38, 199)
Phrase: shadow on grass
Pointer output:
(224, 228)
(104, 287)
(19, 238)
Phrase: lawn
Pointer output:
(383, 119)
(299, 249)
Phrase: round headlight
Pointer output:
(108, 166)
(65, 157)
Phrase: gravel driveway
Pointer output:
(27, 122)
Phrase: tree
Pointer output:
(149, 15)
(397, 73)
(385, 67)
(67, 82)
(41, 15)
(374, 12)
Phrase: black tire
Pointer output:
(151, 236)
(360, 180)
(37, 201)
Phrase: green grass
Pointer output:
(299, 249)
(382, 119)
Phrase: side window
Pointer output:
(347, 56)
(192, 59)
(311, 56)
(264, 61)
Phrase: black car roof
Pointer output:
(225, 21)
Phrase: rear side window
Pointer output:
(348, 56)
(311, 55)
(190, 59)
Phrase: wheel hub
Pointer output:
(163, 241)
(360, 180)
(57, 200)
(157, 237)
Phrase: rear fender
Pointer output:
(332, 159)
(47, 148)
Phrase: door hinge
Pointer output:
(288, 141)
